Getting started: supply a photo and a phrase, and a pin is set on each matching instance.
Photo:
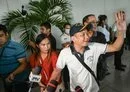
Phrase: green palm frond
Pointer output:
(29, 35)
(57, 12)
(12, 20)
(51, 8)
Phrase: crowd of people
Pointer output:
(83, 46)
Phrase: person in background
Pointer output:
(128, 36)
(65, 40)
(44, 57)
(46, 29)
(100, 38)
(65, 37)
(118, 54)
(102, 27)
(89, 53)
(13, 64)
(97, 36)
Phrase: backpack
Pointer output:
(101, 68)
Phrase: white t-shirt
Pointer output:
(65, 38)
(105, 32)
(79, 76)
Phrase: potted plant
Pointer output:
(57, 12)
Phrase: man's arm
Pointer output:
(32, 44)
(20, 69)
(56, 74)
(121, 27)
(55, 77)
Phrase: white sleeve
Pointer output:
(65, 38)
(62, 39)
(61, 60)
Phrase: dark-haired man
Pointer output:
(45, 28)
(97, 36)
(12, 63)
(100, 38)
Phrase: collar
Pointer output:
(67, 34)
(74, 51)
(64, 33)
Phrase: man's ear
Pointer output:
(85, 23)
(73, 38)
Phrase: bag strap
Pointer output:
(87, 67)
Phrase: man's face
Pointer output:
(44, 30)
(67, 29)
(81, 38)
(92, 19)
(3, 38)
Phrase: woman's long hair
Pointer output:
(40, 38)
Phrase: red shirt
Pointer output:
(47, 66)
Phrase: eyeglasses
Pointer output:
(94, 22)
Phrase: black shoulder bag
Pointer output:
(87, 67)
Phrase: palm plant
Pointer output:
(57, 12)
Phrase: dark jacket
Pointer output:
(53, 42)
(98, 37)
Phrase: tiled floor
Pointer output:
(117, 81)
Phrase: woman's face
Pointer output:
(44, 46)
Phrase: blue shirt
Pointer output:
(12, 51)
